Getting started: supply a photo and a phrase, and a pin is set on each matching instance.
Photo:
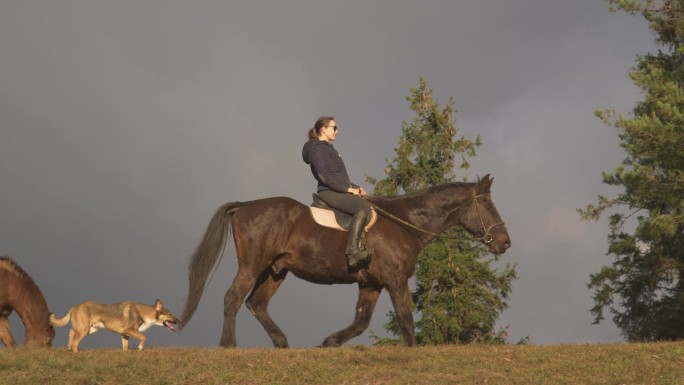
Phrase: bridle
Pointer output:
(487, 238)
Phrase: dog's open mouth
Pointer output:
(169, 326)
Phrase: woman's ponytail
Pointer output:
(311, 135)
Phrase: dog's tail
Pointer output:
(59, 322)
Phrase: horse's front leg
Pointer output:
(368, 297)
(400, 296)
(5, 333)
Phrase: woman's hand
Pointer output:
(357, 191)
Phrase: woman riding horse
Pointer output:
(334, 186)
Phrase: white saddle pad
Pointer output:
(326, 218)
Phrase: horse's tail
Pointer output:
(59, 322)
(207, 257)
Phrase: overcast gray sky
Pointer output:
(124, 125)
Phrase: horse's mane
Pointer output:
(8, 264)
(422, 192)
(29, 291)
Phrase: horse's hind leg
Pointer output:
(368, 297)
(257, 303)
(5, 332)
(242, 284)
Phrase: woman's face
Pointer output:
(329, 131)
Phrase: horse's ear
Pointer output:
(485, 184)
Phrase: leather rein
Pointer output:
(486, 238)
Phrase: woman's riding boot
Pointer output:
(356, 255)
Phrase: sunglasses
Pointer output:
(333, 127)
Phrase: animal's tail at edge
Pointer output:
(206, 257)
(59, 322)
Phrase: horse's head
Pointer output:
(41, 337)
(482, 219)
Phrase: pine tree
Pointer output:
(644, 286)
(458, 295)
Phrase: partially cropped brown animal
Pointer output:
(19, 293)
(129, 319)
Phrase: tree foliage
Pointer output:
(458, 295)
(644, 286)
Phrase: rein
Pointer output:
(486, 238)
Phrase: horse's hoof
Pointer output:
(329, 343)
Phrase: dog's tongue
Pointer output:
(169, 326)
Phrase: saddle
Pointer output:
(327, 216)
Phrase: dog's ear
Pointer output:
(158, 305)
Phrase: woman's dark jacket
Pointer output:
(327, 166)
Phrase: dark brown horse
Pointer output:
(18, 292)
(278, 234)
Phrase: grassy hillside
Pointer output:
(630, 364)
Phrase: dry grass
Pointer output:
(651, 364)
